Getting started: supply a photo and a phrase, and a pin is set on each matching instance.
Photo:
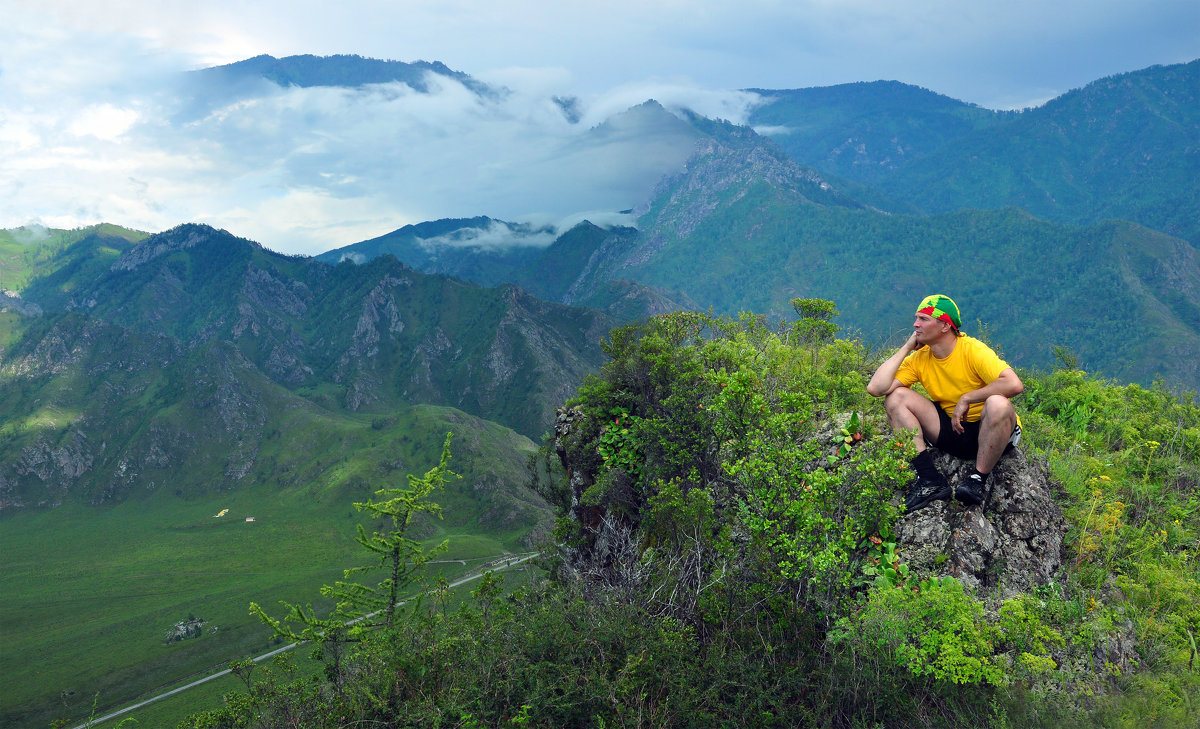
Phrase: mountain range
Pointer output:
(201, 359)
(1123, 147)
(501, 320)
(748, 224)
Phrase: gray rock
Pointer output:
(1009, 545)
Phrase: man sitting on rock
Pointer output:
(971, 386)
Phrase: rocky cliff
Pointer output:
(1010, 545)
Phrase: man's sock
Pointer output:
(923, 464)
(981, 476)
(929, 486)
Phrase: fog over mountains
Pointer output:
(305, 154)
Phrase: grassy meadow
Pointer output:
(89, 593)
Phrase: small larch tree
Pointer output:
(361, 607)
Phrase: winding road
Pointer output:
(93, 722)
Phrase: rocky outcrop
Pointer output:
(54, 464)
(12, 301)
(1010, 545)
(378, 322)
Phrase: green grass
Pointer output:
(171, 710)
(89, 593)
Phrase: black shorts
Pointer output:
(964, 445)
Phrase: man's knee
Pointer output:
(908, 409)
(900, 404)
(903, 398)
(999, 409)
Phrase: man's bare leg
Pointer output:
(908, 410)
(911, 411)
(995, 431)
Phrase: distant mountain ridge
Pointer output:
(865, 131)
(338, 70)
(1126, 147)
(744, 228)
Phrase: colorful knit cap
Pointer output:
(942, 307)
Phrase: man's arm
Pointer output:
(1007, 384)
(884, 381)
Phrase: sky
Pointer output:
(97, 125)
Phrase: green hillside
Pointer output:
(866, 131)
(728, 556)
(92, 589)
(27, 254)
(1029, 284)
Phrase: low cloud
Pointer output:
(310, 169)
(494, 236)
(30, 234)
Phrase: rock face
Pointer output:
(1011, 544)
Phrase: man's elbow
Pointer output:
(876, 390)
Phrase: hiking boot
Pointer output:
(926, 490)
(971, 491)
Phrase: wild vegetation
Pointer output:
(724, 558)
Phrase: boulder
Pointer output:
(1010, 544)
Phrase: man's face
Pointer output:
(928, 328)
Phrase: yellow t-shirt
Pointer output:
(969, 367)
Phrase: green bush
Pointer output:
(937, 630)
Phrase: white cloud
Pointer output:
(496, 235)
(354, 257)
(309, 169)
(103, 121)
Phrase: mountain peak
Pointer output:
(341, 70)
(179, 238)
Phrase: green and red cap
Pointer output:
(942, 307)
